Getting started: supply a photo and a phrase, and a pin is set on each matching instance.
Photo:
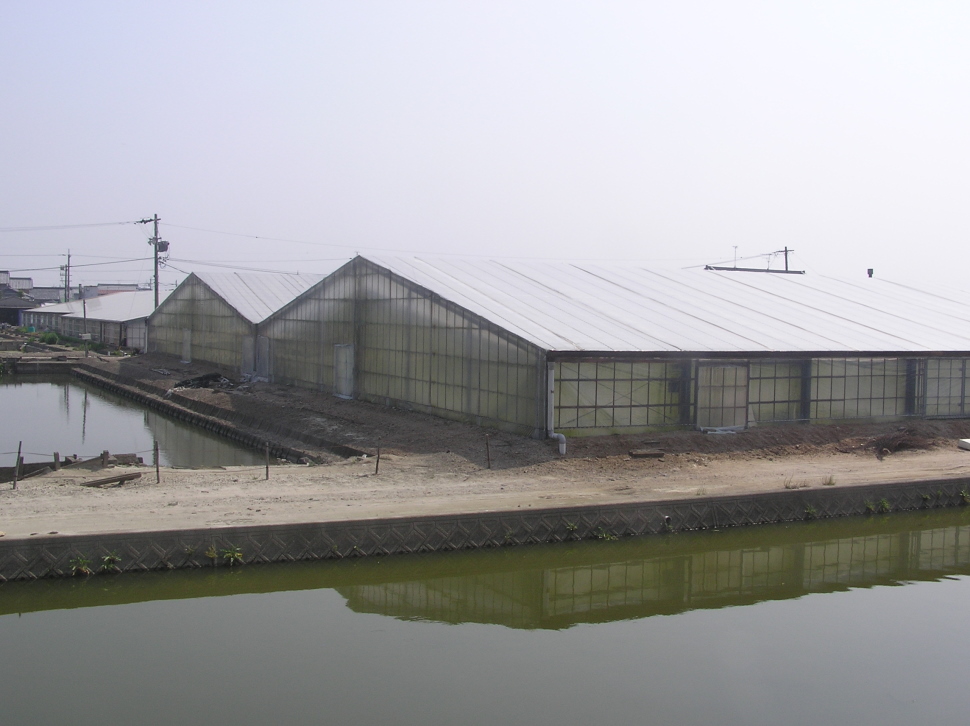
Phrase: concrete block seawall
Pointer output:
(64, 555)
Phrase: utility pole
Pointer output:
(66, 269)
(159, 245)
(155, 247)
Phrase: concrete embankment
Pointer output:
(212, 420)
(247, 430)
(54, 555)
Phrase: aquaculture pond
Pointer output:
(60, 413)
(854, 621)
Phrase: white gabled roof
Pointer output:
(257, 295)
(598, 306)
(115, 307)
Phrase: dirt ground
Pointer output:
(429, 466)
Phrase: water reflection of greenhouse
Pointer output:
(596, 591)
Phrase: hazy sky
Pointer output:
(669, 132)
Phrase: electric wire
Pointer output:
(394, 250)
(50, 227)
(236, 267)
(86, 264)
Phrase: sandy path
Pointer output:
(417, 484)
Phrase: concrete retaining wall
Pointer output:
(58, 555)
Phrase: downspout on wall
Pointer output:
(551, 408)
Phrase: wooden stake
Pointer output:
(377, 466)
(158, 474)
(267, 461)
(488, 452)
(16, 465)
(57, 461)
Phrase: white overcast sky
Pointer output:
(668, 132)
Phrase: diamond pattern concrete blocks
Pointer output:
(51, 556)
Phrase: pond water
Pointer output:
(59, 413)
(855, 621)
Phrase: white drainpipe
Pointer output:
(551, 408)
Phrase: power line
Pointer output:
(234, 267)
(50, 227)
(93, 257)
(394, 250)
(87, 264)
(255, 236)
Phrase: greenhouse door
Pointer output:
(722, 396)
(343, 371)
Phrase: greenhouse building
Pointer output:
(585, 349)
(215, 317)
(578, 349)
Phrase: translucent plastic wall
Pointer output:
(195, 314)
(602, 396)
(42, 321)
(398, 344)
(775, 390)
(945, 389)
(722, 395)
(101, 331)
(858, 388)
(605, 396)
(304, 333)
(109, 332)
(414, 347)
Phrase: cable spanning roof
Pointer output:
(256, 295)
(563, 306)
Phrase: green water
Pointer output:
(854, 621)
(44, 414)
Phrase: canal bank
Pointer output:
(57, 553)
(437, 487)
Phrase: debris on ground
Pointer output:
(900, 440)
(647, 453)
(111, 480)
(206, 380)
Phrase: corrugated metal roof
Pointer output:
(563, 306)
(256, 295)
(117, 307)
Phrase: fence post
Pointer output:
(16, 465)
